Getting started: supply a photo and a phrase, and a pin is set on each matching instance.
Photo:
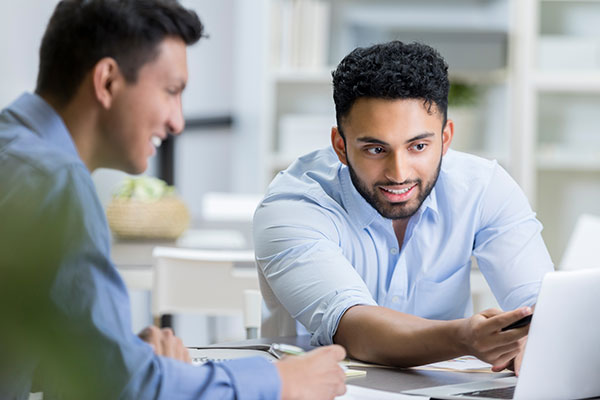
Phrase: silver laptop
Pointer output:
(562, 357)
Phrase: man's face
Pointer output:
(393, 150)
(147, 110)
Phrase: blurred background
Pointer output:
(525, 91)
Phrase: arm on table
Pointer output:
(384, 336)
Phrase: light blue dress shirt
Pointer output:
(44, 182)
(321, 248)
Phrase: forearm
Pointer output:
(384, 336)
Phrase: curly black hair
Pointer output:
(392, 70)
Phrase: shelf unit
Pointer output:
(556, 132)
(522, 91)
(292, 91)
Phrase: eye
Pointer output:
(419, 147)
(375, 150)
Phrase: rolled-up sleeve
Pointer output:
(297, 244)
(509, 247)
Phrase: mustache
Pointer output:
(392, 183)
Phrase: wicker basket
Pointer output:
(166, 218)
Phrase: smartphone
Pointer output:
(519, 324)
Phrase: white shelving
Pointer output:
(583, 82)
(535, 115)
(293, 91)
(558, 125)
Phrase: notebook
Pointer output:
(562, 356)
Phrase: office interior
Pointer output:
(526, 75)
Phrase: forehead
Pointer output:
(170, 62)
(387, 118)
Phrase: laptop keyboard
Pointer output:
(500, 393)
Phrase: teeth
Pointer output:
(156, 141)
(397, 191)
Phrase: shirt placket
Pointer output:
(397, 294)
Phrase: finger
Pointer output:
(341, 388)
(513, 335)
(504, 319)
(336, 351)
(505, 359)
(182, 350)
(498, 351)
(186, 356)
(168, 343)
(490, 312)
(148, 333)
(500, 368)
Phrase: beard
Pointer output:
(389, 210)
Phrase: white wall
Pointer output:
(203, 160)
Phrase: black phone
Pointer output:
(519, 324)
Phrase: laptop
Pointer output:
(562, 356)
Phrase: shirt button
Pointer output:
(394, 250)
(396, 299)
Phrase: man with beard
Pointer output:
(368, 244)
(109, 87)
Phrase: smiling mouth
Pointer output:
(401, 191)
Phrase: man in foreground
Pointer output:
(109, 86)
(368, 244)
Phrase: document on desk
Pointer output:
(459, 364)
(363, 393)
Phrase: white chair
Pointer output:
(217, 206)
(211, 282)
(582, 249)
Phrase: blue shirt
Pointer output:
(49, 207)
(322, 248)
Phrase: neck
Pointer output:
(80, 123)
(400, 229)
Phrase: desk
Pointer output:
(392, 379)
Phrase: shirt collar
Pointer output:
(33, 111)
(364, 214)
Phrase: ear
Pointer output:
(107, 80)
(337, 141)
(447, 135)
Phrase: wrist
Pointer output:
(459, 336)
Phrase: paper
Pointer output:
(460, 364)
(362, 393)
(201, 356)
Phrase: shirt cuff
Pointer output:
(335, 309)
(254, 378)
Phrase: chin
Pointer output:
(133, 168)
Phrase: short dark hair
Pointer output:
(392, 70)
(82, 32)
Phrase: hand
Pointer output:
(483, 338)
(315, 375)
(165, 343)
(515, 363)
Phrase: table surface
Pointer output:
(390, 379)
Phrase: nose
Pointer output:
(176, 122)
(397, 168)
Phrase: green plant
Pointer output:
(462, 94)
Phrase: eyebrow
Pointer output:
(372, 140)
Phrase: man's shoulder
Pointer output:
(314, 175)
(464, 169)
(22, 152)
